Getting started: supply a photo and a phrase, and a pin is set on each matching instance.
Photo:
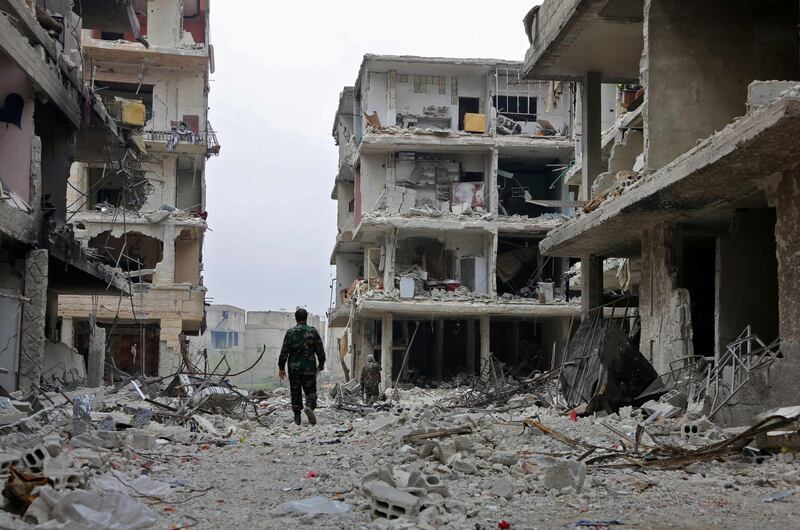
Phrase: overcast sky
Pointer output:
(279, 69)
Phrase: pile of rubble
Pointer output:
(81, 458)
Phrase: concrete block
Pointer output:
(140, 440)
(35, 459)
(382, 423)
(560, 474)
(390, 503)
(67, 480)
(503, 488)
(762, 93)
(444, 451)
(504, 458)
(464, 443)
(465, 466)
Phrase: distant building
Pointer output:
(240, 336)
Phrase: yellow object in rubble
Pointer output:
(475, 122)
(128, 111)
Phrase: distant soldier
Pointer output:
(302, 347)
(370, 380)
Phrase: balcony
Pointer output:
(182, 140)
(124, 52)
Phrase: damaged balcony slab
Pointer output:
(17, 225)
(726, 167)
(134, 53)
(449, 140)
(372, 225)
(434, 308)
(572, 37)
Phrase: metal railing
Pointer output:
(742, 357)
(207, 137)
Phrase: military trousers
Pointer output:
(303, 383)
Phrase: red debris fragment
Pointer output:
(503, 524)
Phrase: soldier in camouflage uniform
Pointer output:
(302, 348)
(370, 380)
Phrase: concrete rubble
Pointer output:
(424, 460)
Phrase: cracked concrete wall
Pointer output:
(698, 60)
(33, 319)
(664, 306)
(164, 22)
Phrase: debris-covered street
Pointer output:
(430, 269)
(424, 458)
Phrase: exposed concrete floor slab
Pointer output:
(722, 169)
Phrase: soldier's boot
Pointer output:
(312, 419)
(297, 417)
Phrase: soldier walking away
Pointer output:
(370, 380)
(302, 348)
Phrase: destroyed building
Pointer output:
(450, 173)
(696, 184)
(149, 221)
(48, 120)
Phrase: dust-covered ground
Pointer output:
(497, 471)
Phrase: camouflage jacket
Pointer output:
(301, 345)
(371, 375)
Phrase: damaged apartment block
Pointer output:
(450, 173)
(48, 120)
(693, 191)
(145, 215)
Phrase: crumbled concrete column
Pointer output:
(439, 352)
(592, 137)
(387, 345)
(33, 320)
(486, 348)
(471, 347)
(97, 357)
(591, 283)
(169, 357)
(68, 331)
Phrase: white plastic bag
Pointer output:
(114, 511)
(142, 485)
(314, 505)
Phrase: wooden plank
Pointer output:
(44, 78)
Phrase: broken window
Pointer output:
(523, 273)
(225, 340)
(132, 252)
(117, 185)
(188, 189)
(530, 185)
(520, 108)
(187, 257)
(194, 20)
(423, 84)
(114, 21)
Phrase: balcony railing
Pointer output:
(184, 136)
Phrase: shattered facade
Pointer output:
(696, 184)
(47, 121)
(145, 215)
(450, 172)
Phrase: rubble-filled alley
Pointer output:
(563, 291)
(201, 455)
